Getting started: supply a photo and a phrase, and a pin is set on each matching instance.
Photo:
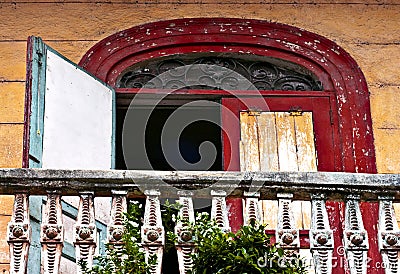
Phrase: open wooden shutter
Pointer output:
(69, 124)
(71, 121)
(278, 141)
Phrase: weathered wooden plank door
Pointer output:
(278, 141)
(323, 125)
(69, 124)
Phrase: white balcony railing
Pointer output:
(283, 187)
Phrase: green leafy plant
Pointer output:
(246, 251)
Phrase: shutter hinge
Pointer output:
(33, 158)
(295, 111)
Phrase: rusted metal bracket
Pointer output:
(295, 111)
(253, 111)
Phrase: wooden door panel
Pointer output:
(287, 141)
(325, 129)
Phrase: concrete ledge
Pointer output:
(69, 182)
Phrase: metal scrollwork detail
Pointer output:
(179, 71)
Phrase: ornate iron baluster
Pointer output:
(85, 230)
(185, 245)
(252, 210)
(321, 236)
(52, 233)
(388, 235)
(153, 236)
(219, 211)
(287, 235)
(19, 234)
(115, 228)
(355, 236)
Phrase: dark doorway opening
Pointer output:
(169, 137)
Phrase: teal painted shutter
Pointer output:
(57, 138)
(37, 91)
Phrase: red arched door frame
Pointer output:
(342, 79)
(336, 69)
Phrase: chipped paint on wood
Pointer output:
(279, 141)
(306, 155)
(286, 142)
(249, 137)
(268, 144)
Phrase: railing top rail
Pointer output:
(102, 182)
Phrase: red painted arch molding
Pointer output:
(337, 70)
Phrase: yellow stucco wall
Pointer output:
(367, 30)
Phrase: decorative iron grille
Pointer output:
(227, 72)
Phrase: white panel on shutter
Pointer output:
(78, 115)
(72, 114)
